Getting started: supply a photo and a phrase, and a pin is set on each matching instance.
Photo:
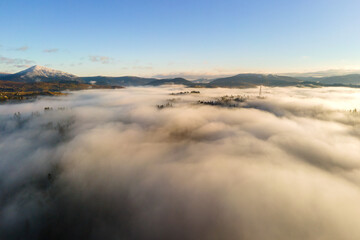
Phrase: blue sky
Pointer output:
(198, 37)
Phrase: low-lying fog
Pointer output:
(139, 163)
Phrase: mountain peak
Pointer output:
(37, 67)
(37, 70)
(38, 73)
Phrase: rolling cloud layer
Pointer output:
(109, 164)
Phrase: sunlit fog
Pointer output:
(181, 163)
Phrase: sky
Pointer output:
(179, 37)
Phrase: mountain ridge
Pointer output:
(348, 79)
(44, 74)
(252, 79)
(118, 81)
(179, 81)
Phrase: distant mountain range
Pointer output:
(324, 73)
(350, 79)
(43, 74)
(179, 81)
(118, 81)
(251, 80)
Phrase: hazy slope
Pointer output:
(351, 79)
(178, 81)
(118, 81)
(2, 74)
(204, 81)
(248, 80)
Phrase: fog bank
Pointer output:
(113, 164)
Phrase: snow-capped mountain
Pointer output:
(40, 74)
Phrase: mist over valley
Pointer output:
(180, 163)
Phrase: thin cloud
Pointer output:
(22, 65)
(16, 62)
(142, 67)
(51, 50)
(101, 59)
(22, 49)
